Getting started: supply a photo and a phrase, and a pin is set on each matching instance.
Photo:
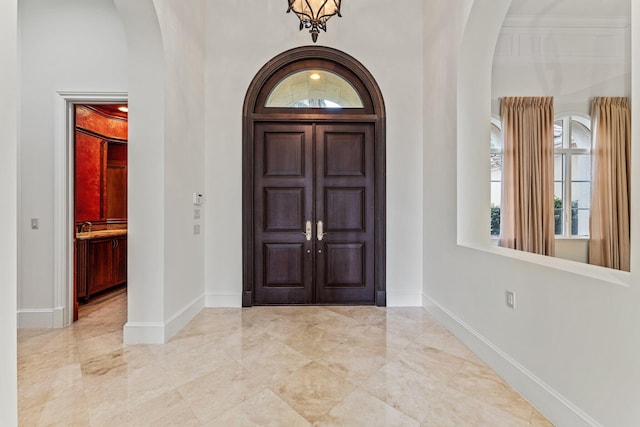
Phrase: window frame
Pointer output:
(567, 218)
(495, 121)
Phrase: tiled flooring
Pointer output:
(277, 366)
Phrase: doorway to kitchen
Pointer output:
(313, 182)
(100, 203)
(107, 139)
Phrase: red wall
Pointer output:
(91, 160)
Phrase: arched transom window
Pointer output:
(314, 89)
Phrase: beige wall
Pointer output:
(65, 45)
(375, 33)
(8, 209)
(569, 345)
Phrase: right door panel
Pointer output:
(345, 206)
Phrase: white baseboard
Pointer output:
(159, 332)
(180, 319)
(404, 299)
(143, 333)
(557, 408)
(223, 300)
(45, 318)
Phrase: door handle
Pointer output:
(307, 231)
(320, 234)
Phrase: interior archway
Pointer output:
(474, 111)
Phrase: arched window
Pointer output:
(314, 88)
(572, 175)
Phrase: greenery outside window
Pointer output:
(496, 176)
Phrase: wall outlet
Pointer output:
(196, 229)
(196, 214)
(510, 299)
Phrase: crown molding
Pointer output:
(547, 21)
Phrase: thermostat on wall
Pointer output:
(197, 198)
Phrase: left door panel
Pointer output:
(283, 203)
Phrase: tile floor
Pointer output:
(276, 366)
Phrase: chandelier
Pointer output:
(314, 14)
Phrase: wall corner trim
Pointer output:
(182, 317)
(161, 332)
(143, 333)
(555, 406)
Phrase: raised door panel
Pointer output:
(100, 265)
(116, 182)
(345, 209)
(81, 269)
(345, 265)
(116, 200)
(345, 204)
(283, 208)
(283, 203)
(120, 260)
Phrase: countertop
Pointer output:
(101, 233)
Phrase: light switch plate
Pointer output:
(510, 299)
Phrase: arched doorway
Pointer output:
(313, 182)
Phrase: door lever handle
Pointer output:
(307, 231)
(320, 234)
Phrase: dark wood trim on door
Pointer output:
(254, 112)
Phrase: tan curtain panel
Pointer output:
(527, 191)
(609, 242)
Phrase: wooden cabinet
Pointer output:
(116, 182)
(101, 179)
(120, 261)
(101, 264)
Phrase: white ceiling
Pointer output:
(576, 9)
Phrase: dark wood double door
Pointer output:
(314, 213)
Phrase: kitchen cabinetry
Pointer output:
(101, 263)
(101, 179)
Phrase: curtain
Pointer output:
(527, 193)
(609, 232)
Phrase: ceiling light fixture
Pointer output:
(314, 14)
(124, 109)
(314, 76)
